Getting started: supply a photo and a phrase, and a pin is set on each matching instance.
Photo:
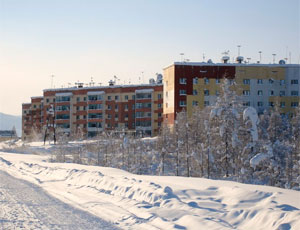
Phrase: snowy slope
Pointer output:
(7, 122)
(152, 202)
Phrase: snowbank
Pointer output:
(151, 202)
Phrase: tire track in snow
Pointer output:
(26, 206)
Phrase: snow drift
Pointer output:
(151, 202)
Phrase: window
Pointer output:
(260, 103)
(77, 117)
(246, 92)
(126, 106)
(116, 98)
(282, 104)
(206, 81)
(259, 81)
(78, 108)
(282, 93)
(195, 80)
(246, 103)
(84, 98)
(182, 81)
(159, 115)
(53, 99)
(126, 115)
(94, 106)
(84, 108)
(47, 100)
(294, 82)
(78, 99)
(182, 103)
(63, 98)
(116, 116)
(206, 103)
(294, 104)
(294, 93)
(259, 92)
(206, 92)
(159, 105)
(218, 81)
(133, 97)
(84, 116)
(195, 103)
(246, 81)
(109, 107)
(34, 106)
(108, 98)
(95, 115)
(126, 97)
(217, 93)
(271, 93)
(195, 92)
(182, 92)
(108, 116)
(271, 81)
(116, 107)
(271, 104)
(282, 82)
(159, 96)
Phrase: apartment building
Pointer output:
(95, 109)
(261, 86)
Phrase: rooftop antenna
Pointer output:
(259, 56)
(239, 47)
(92, 82)
(286, 54)
(181, 54)
(274, 55)
(290, 54)
(52, 76)
(116, 79)
(142, 76)
(203, 57)
(248, 60)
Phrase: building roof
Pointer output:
(102, 87)
(230, 64)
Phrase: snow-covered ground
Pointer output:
(152, 202)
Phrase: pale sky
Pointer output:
(79, 39)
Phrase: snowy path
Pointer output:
(26, 206)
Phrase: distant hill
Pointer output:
(7, 122)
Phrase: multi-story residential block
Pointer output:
(94, 109)
(32, 116)
(261, 86)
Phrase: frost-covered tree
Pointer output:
(225, 120)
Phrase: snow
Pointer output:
(159, 202)
(27, 206)
(251, 114)
(254, 161)
(215, 112)
(95, 92)
(144, 91)
(63, 94)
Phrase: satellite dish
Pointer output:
(282, 62)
